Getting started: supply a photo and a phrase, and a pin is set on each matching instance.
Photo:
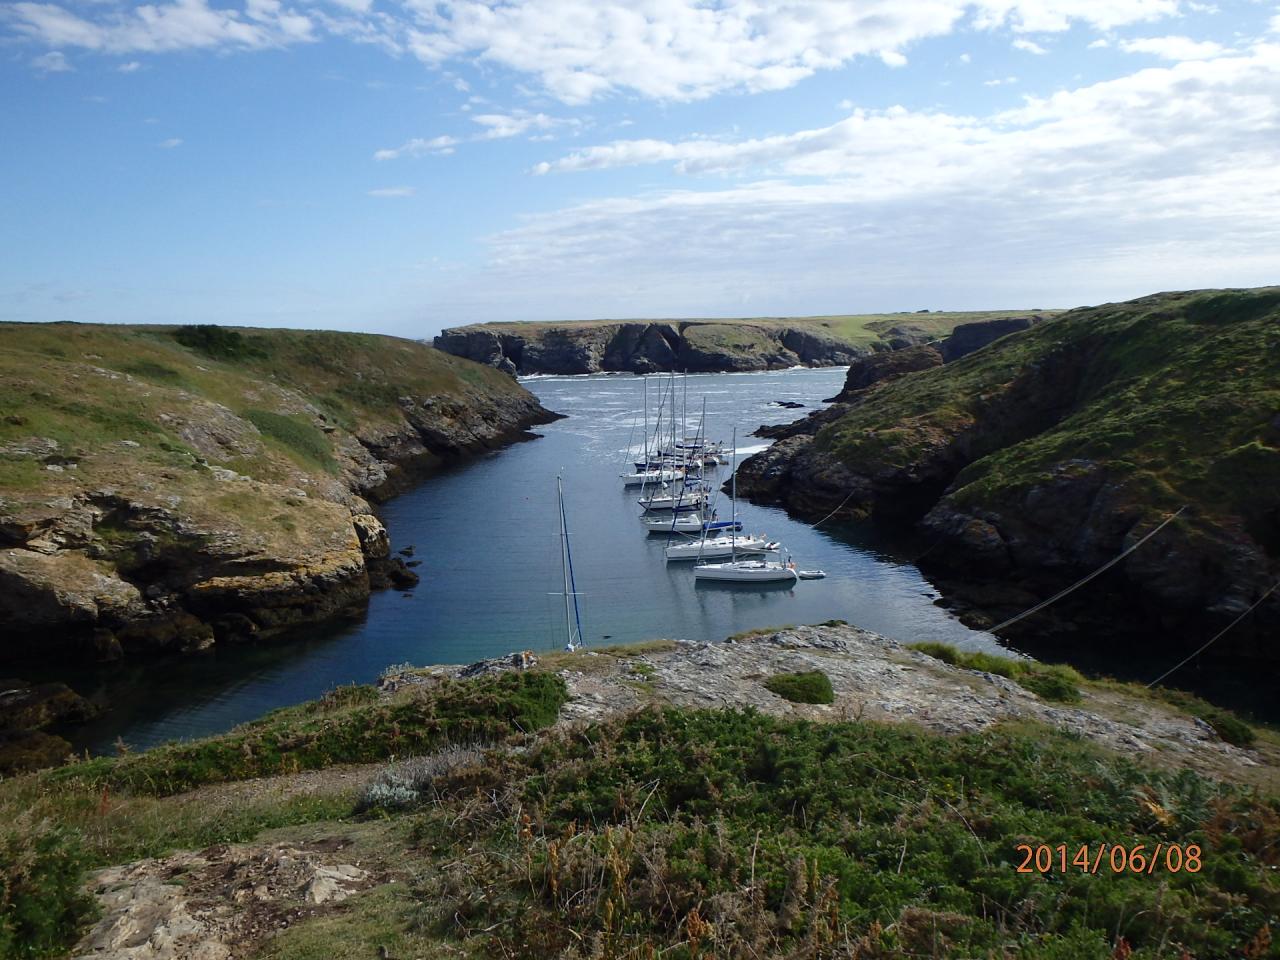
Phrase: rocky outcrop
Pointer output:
(26, 710)
(968, 337)
(886, 365)
(221, 524)
(909, 349)
(1035, 460)
(637, 347)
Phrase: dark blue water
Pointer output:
(488, 538)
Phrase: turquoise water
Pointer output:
(488, 537)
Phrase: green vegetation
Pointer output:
(1226, 724)
(812, 686)
(297, 434)
(351, 725)
(726, 834)
(680, 833)
(1049, 681)
(219, 343)
(1171, 396)
(41, 904)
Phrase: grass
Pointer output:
(1055, 681)
(351, 725)
(297, 434)
(1226, 724)
(109, 810)
(812, 686)
(1171, 396)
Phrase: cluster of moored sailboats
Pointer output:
(676, 501)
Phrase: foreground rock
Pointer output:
(211, 904)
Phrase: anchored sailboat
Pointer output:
(752, 570)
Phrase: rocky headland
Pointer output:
(165, 489)
(1038, 457)
(696, 345)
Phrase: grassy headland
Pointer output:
(661, 831)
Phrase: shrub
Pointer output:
(411, 782)
(41, 904)
(1230, 727)
(813, 686)
(1051, 685)
(218, 342)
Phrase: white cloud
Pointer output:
(1174, 48)
(1029, 46)
(419, 147)
(1097, 192)
(1100, 44)
(580, 50)
(133, 66)
(52, 62)
(498, 126)
(180, 25)
(170, 143)
(393, 192)
(494, 126)
(966, 58)
(999, 81)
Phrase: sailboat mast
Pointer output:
(733, 495)
(566, 568)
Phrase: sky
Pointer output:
(404, 165)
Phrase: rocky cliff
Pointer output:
(171, 488)
(1034, 460)
(646, 347)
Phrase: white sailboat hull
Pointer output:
(714, 547)
(694, 500)
(746, 571)
(650, 477)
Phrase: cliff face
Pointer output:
(1035, 460)
(168, 489)
(648, 347)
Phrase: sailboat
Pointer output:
(572, 624)
(753, 570)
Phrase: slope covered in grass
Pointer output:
(156, 481)
(1044, 454)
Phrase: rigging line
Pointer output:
(1080, 583)
(836, 510)
(1183, 663)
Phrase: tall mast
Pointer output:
(646, 423)
(574, 639)
(733, 496)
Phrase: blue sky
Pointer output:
(403, 166)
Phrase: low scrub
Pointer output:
(42, 907)
(353, 725)
(723, 834)
(812, 686)
(1049, 681)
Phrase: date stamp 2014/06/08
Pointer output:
(1110, 858)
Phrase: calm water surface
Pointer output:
(488, 538)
